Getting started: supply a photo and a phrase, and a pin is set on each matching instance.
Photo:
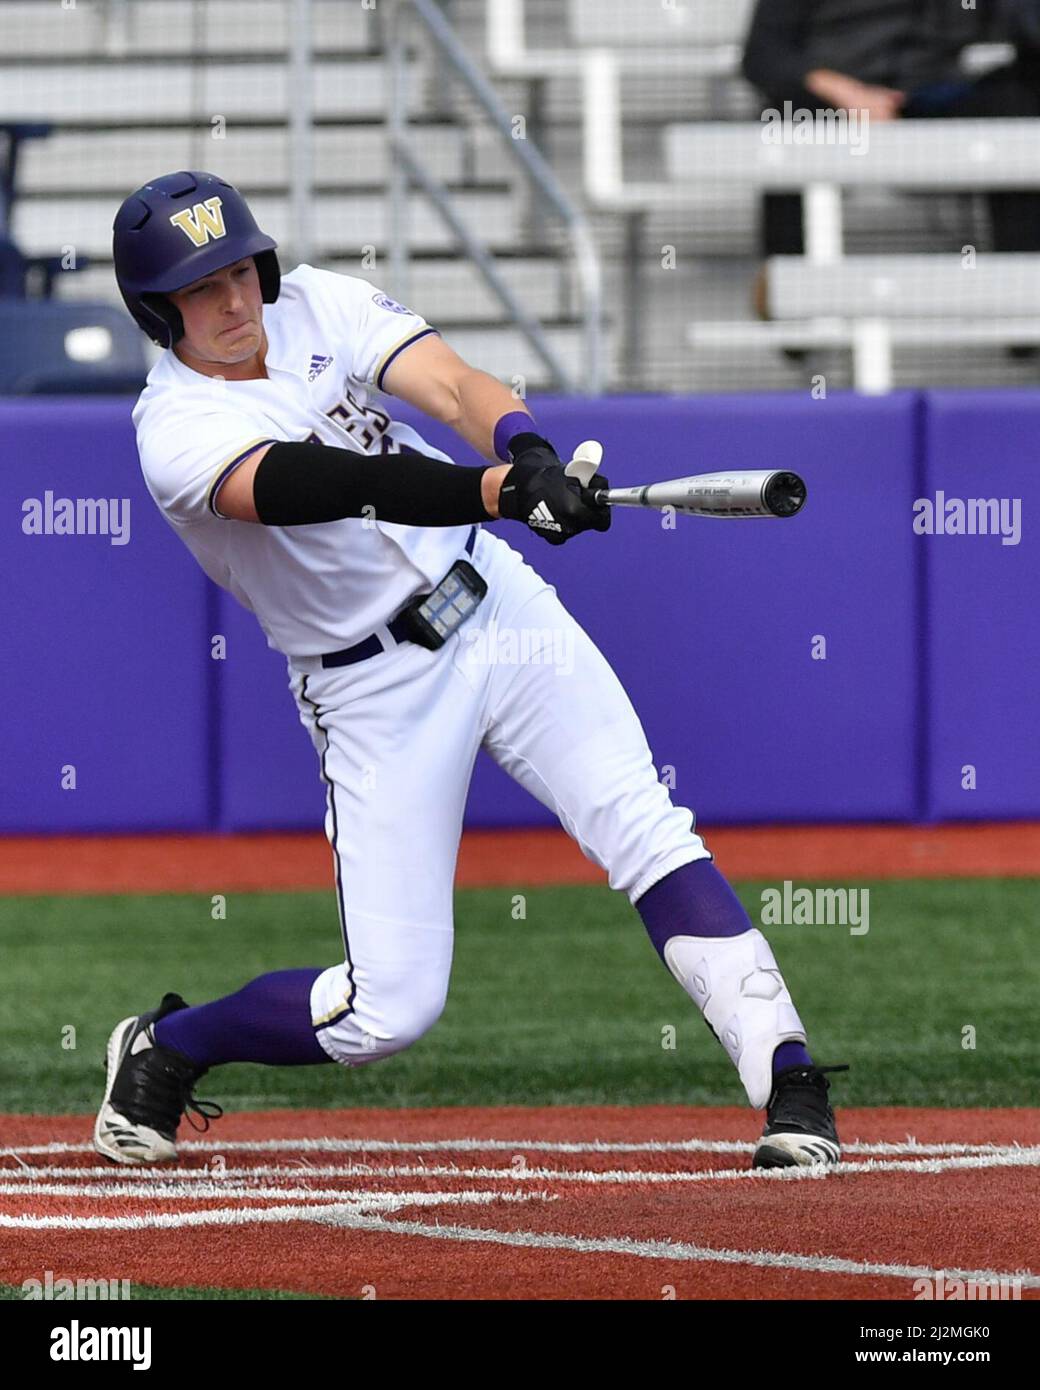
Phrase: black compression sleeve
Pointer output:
(300, 484)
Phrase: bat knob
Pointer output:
(586, 461)
(784, 494)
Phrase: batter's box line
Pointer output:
(671, 1251)
(174, 1191)
(593, 1146)
(1015, 1158)
(340, 1202)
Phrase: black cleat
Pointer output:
(800, 1130)
(147, 1090)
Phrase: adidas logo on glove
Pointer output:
(543, 519)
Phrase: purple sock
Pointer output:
(695, 900)
(791, 1054)
(268, 1021)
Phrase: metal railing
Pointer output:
(301, 137)
(408, 169)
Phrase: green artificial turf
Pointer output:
(567, 1005)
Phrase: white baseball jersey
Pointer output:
(316, 588)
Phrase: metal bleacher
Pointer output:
(961, 302)
(712, 28)
(133, 89)
(873, 306)
(703, 38)
(905, 287)
(639, 107)
(661, 173)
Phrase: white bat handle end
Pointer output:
(586, 461)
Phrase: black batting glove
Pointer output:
(539, 493)
(532, 448)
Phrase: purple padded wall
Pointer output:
(710, 625)
(104, 645)
(983, 635)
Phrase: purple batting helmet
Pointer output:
(177, 229)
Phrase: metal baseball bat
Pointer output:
(760, 492)
(757, 492)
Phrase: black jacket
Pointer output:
(896, 43)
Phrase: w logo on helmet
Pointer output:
(201, 222)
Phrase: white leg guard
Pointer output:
(737, 985)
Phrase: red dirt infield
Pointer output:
(617, 1203)
(509, 1203)
(273, 862)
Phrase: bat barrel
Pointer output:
(755, 492)
(784, 494)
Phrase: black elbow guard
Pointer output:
(302, 484)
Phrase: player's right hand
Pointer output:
(539, 493)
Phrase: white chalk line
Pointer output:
(195, 1184)
(679, 1250)
(15, 1180)
(202, 1192)
(328, 1145)
(335, 1207)
(221, 1190)
(233, 1216)
(350, 1218)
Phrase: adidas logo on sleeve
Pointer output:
(318, 365)
(543, 519)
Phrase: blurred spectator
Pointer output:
(896, 58)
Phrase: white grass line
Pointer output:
(202, 1182)
(328, 1145)
(350, 1218)
(233, 1216)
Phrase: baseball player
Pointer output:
(267, 443)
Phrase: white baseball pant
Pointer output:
(397, 736)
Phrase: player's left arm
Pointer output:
(433, 377)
